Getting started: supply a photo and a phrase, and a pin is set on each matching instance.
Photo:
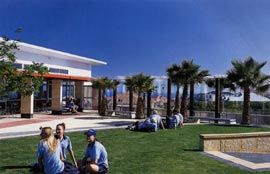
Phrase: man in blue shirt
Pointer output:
(96, 157)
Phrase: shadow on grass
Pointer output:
(234, 125)
(15, 167)
(193, 150)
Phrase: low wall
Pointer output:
(255, 142)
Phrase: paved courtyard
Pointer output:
(14, 126)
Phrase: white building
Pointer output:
(69, 75)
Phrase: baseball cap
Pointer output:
(90, 132)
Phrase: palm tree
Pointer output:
(188, 69)
(173, 73)
(197, 77)
(129, 83)
(248, 76)
(149, 89)
(114, 85)
(102, 84)
(96, 83)
(141, 85)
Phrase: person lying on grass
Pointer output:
(96, 158)
(151, 124)
(65, 142)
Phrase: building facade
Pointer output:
(69, 76)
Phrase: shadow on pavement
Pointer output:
(117, 123)
(92, 118)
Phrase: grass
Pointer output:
(166, 151)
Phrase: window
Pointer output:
(60, 71)
(17, 65)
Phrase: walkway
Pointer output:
(17, 127)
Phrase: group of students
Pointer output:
(52, 148)
(155, 122)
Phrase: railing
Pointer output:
(257, 119)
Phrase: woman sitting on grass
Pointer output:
(50, 157)
(49, 153)
(65, 142)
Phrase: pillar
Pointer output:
(79, 95)
(27, 106)
(56, 96)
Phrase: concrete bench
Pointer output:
(213, 119)
(122, 114)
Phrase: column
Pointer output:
(79, 95)
(56, 96)
(27, 106)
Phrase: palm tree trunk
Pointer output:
(169, 97)
(176, 102)
(99, 100)
(191, 100)
(148, 103)
(114, 98)
(245, 114)
(140, 108)
(183, 110)
(130, 100)
(103, 104)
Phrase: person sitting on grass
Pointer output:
(49, 153)
(50, 157)
(176, 120)
(65, 142)
(96, 157)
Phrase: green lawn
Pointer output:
(166, 151)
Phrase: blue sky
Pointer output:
(144, 35)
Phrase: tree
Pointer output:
(173, 73)
(27, 81)
(187, 71)
(197, 77)
(114, 85)
(141, 84)
(102, 84)
(248, 76)
(130, 84)
(96, 83)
